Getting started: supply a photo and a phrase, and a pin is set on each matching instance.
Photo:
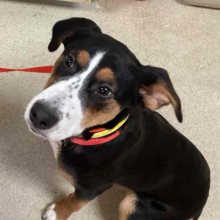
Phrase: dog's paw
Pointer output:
(50, 214)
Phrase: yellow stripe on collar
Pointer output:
(109, 131)
(100, 136)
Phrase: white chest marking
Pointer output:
(56, 146)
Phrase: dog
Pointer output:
(98, 112)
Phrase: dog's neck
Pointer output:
(103, 133)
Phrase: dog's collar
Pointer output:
(100, 135)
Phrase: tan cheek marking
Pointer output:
(54, 75)
(67, 206)
(105, 74)
(127, 206)
(92, 117)
(83, 58)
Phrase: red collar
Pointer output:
(95, 141)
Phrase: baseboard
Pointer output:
(205, 3)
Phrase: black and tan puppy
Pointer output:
(97, 110)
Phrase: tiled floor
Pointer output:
(182, 39)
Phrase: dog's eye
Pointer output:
(69, 61)
(104, 91)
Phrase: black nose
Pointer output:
(42, 116)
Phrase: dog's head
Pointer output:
(93, 80)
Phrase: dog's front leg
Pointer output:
(63, 209)
(73, 203)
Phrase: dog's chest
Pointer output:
(86, 165)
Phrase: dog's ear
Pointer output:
(156, 90)
(70, 28)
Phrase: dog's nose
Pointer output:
(43, 116)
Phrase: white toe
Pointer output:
(51, 207)
(50, 214)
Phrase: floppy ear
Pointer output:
(156, 90)
(71, 28)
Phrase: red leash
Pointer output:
(40, 69)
